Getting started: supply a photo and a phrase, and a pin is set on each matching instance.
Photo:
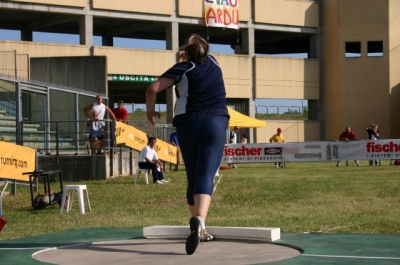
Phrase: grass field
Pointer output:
(304, 197)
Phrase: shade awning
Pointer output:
(243, 121)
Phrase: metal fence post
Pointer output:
(57, 147)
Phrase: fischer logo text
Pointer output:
(242, 151)
(378, 148)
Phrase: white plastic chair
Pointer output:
(68, 191)
(146, 175)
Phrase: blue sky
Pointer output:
(159, 45)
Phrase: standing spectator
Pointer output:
(233, 140)
(148, 160)
(373, 134)
(99, 107)
(120, 113)
(201, 119)
(243, 138)
(278, 138)
(173, 139)
(233, 135)
(348, 135)
(101, 110)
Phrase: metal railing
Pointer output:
(7, 100)
(66, 137)
(279, 109)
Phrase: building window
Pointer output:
(375, 48)
(353, 49)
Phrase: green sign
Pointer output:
(132, 78)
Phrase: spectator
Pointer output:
(148, 160)
(373, 134)
(101, 110)
(120, 113)
(99, 107)
(233, 140)
(233, 135)
(95, 132)
(243, 138)
(278, 138)
(348, 135)
(173, 139)
(201, 119)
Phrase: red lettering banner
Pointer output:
(222, 13)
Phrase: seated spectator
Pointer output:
(243, 138)
(95, 132)
(148, 160)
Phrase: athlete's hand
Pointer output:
(150, 116)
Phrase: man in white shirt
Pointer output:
(148, 160)
(233, 140)
(100, 108)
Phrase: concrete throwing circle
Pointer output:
(166, 251)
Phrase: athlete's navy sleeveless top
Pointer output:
(200, 90)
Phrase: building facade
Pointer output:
(348, 73)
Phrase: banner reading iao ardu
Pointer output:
(222, 13)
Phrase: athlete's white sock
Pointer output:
(202, 222)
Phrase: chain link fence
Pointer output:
(14, 65)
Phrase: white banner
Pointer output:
(312, 151)
(222, 13)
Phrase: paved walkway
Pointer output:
(127, 246)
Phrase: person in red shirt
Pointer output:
(120, 113)
(348, 135)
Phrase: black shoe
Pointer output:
(194, 238)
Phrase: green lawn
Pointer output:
(304, 197)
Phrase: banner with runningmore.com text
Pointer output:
(16, 160)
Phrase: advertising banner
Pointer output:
(222, 13)
(312, 151)
(130, 136)
(15, 160)
(166, 152)
(136, 139)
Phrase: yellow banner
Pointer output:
(136, 139)
(166, 152)
(15, 160)
(222, 13)
(130, 136)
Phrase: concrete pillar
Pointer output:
(26, 35)
(86, 31)
(172, 37)
(251, 138)
(249, 49)
(313, 110)
(313, 47)
(246, 45)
